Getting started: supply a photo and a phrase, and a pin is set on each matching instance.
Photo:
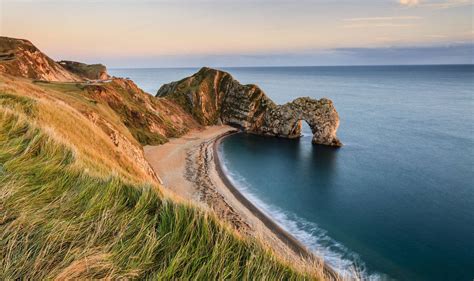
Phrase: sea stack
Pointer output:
(215, 97)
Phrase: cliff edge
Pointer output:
(86, 71)
(19, 57)
(215, 97)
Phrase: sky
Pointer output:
(181, 33)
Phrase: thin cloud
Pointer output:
(436, 4)
(436, 36)
(409, 2)
(368, 25)
(449, 4)
(370, 22)
(384, 18)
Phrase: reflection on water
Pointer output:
(324, 159)
(318, 158)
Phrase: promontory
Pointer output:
(215, 97)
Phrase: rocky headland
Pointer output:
(215, 97)
(86, 71)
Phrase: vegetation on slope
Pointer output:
(150, 120)
(101, 142)
(57, 220)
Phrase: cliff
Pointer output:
(150, 120)
(214, 97)
(21, 58)
(86, 71)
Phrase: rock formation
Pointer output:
(214, 97)
(21, 58)
(86, 71)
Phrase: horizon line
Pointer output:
(299, 66)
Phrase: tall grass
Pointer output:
(57, 221)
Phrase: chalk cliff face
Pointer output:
(19, 57)
(214, 97)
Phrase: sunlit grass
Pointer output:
(58, 221)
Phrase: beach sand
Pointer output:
(188, 166)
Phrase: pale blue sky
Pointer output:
(245, 33)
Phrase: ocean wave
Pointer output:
(346, 262)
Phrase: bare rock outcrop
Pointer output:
(214, 97)
(86, 71)
(321, 116)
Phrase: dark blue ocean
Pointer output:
(397, 200)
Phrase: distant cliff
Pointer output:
(150, 120)
(19, 57)
(214, 97)
(86, 71)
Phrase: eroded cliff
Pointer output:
(86, 71)
(214, 97)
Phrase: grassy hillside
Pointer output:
(77, 200)
(58, 221)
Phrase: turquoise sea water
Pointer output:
(398, 199)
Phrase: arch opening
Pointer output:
(306, 129)
(300, 128)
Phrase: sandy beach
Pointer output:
(189, 167)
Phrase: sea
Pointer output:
(396, 202)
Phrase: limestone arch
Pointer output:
(320, 115)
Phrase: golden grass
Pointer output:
(74, 205)
(63, 116)
(59, 222)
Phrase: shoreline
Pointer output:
(281, 233)
(189, 166)
(287, 238)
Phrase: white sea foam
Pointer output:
(340, 258)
